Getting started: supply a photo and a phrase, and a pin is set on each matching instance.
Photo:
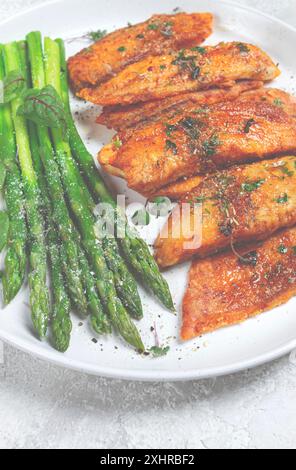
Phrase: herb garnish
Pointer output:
(201, 50)
(248, 125)
(140, 36)
(13, 85)
(44, 107)
(187, 63)
(121, 49)
(252, 186)
(117, 143)
(170, 128)
(97, 35)
(169, 145)
(153, 26)
(282, 199)
(190, 126)
(243, 48)
(278, 102)
(209, 147)
(158, 351)
(282, 249)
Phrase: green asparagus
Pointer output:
(134, 248)
(71, 243)
(93, 247)
(15, 260)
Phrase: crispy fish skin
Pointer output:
(240, 205)
(224, 291)
(123, 117)
(287, 102)
(192, 144)
(161, 33)
(182, 72)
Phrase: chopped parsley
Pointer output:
(170, 128)
(117, 143)
(157, 351)
(209, 147)
(278, 102)
(162, 67)
(121, 49)
(153, 26)
(190, 126)
(140, 36)
(282, 249)
(243, 48)
(248, 125)
(187, 63)
(169, 145)
(97, 35)
(282, 199)
(251, 186)
(201, 50)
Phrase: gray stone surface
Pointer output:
(42, 406)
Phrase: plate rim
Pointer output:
(148, 375)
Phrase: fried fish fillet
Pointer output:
(158, 35)
(192, 144)
(287, 102)
(123, 117)
(240, 205)
(182, 72)
(225, 289)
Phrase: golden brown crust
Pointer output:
(239, 205)
(123, 117)
(159, 34)
(192, 144)
(182, 72)
(223, 291)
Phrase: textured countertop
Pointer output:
(43, 406)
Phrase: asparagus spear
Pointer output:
(105, 282)
(135, 249)
(60, 211)
(15, 260)
(39, 295)
(124, 282)
(61, 321)
(71, 240)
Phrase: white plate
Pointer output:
(229, 350)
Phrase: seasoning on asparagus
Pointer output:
(134, 248)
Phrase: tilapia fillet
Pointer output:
(287, 102)
(240, 205)
(158, 35)
(182, 72)
(123, 117)
(225, 290)
(198, 143)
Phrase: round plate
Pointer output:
(229, 350)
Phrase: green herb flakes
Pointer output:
(169, 145)
(251, 186)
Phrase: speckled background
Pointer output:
(42, 406)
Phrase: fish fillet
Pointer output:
(178, 190)
(158, 35)
(123, 117)
(182, 72)
(225, 290)
(240, 205)
(192, 144)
